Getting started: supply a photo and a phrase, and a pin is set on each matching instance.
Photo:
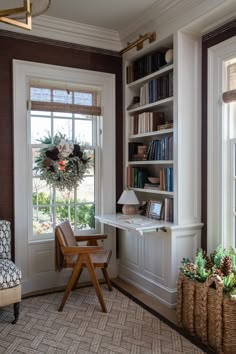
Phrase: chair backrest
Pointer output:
(5, 239)
(64, 236)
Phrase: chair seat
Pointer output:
(100, 259)
(10, 274)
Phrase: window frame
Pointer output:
(23, 72)
(219, 150)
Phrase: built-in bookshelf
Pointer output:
(150, 127)
(162, 141)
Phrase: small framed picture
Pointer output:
(154, 209)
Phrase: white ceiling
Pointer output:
(111, 24)
(109, 14)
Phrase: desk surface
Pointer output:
(133, 222)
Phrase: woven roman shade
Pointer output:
(230, 94)
(57, 99)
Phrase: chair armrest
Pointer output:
(69, 251)
(81, 238)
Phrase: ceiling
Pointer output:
(109, 14)
(111, 24)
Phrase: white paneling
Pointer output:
(188, 134)
(154, 263)
(129, 248)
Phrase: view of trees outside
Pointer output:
(49, 205)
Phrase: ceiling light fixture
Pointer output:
(22, 10)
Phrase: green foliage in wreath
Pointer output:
(62, 164)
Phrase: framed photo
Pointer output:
(154, 209)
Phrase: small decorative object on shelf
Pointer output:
(135, 102)
(169, 56)
(129, 199)
(62, 164)
(167, 125)
(154, 209)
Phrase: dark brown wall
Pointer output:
(219, 35)
(33, 49)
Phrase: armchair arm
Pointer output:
(80, 238)
(72, 250)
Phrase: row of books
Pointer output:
(145, 66)
(137, 177)
(161, 149)
(166, 179)
(146, 122)
(168, 210)
(157, 89)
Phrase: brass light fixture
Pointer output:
(17, 10)
(151, 36)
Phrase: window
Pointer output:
(229, 150)
(221, 191)
(75, 114)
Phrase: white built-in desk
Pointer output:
(138, 223)
(151, 251)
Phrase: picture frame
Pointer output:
(154, 209)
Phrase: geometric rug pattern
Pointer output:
(82, 328)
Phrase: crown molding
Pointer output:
(167, 16)
(71, 32)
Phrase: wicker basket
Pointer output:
(229, 325)
(189, 305)
(212, 301)
(203, 310)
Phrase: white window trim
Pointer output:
(22, 72)
(219, 225)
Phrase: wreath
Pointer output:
(62, 164)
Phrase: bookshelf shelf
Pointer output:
(151, 162)
(158, 104)
(151, 134)
(145, 79)
(153, 191)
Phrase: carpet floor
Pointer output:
(127, 328)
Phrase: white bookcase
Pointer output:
(150, 260)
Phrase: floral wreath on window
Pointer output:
(62, 164)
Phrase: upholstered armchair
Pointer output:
(10, 274)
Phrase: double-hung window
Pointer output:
(229, 152)
(73, 113)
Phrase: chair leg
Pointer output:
(77, 279)
(106, 276)
(71, 282)
(16, 307)
(95, 282)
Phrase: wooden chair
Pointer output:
(69, 254)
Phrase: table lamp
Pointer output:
(129, 201)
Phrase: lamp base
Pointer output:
(128, 209)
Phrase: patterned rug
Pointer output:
(82, 328)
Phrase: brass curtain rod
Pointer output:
(139, 42)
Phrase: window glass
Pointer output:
(50, 205)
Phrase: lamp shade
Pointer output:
(128, 197)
